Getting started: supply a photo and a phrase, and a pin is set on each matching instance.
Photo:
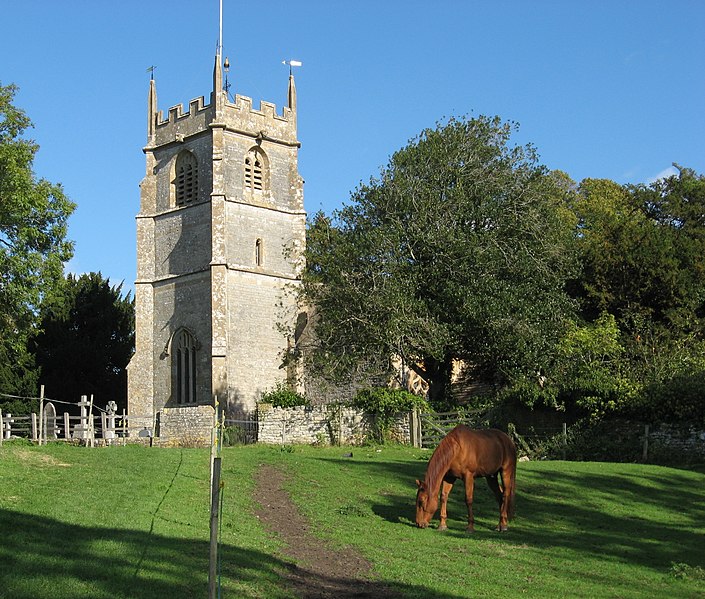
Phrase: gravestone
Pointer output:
(80, 431)
(109, 430)
(49, 423)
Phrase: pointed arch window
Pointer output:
(186, 181)
(184, 367)
(256, 170)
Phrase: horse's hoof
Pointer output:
(470, 530)
(442, 528)
(501, 529)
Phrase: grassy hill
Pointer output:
(133, 522)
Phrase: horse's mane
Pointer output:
(441, 458)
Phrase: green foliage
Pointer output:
(283, 396)
(388, 402)
(234, 435)
(18, 376)
(642, 292)
(459, 250)
(591, 371)
(385, 404)
(679, 398)
(18, 406)
(641, 248)
(33, 245)
(86, 340)
(610, 440)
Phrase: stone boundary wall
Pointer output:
(187, 426)
(668, 439)
(323, 425)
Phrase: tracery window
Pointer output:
(186, 181)
(184, 357)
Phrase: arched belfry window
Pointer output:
(256, 170)
(184, 348)
(186, 181)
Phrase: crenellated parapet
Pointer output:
(264, 122)
(179, 125)
(239, 117)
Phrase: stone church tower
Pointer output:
(220, 236)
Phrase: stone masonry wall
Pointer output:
(667, 440)
(189, 426)
(325, 425)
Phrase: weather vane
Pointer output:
(150, 70)
(292, 63)
(226, 67)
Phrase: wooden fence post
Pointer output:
(2, 429)
(565, 439)
(103, 427)
(8, 426)
(42, 433)
(34, 427)
(215, 504)
(67, 426)
(645, 453)
(91, 425)
(412, 428)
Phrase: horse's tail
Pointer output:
(511, 504)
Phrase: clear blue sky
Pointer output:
(602, 88)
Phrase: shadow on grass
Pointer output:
(645, 515)
(46, 558)
(650, 516)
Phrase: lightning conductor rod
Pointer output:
(220, 30)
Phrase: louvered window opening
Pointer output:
(186, 180)
(253, 173)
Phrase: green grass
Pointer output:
(133, 522)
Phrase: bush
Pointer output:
(682, 397)
(19, 407)
(385, 403)
(283, 396)
(605, 441)
(236, 435)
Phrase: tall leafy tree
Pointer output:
(642, 247)
(676, 206)
(459, 250)
(33, 244)
(86, 340)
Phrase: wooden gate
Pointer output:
(241, 428)
(436, 425)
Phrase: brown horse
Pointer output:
(466, 453)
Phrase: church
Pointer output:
(220, 239)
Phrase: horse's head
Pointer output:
(426, 505)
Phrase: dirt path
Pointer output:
(316, 570)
